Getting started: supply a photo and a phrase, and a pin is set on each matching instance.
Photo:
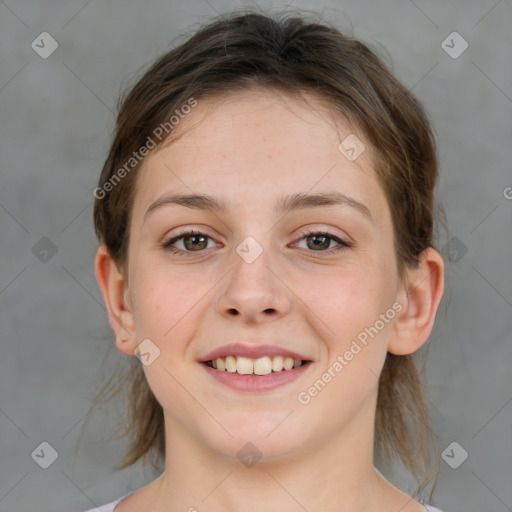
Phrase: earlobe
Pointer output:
(117, 300)
(421, 301)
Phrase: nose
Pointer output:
(255, 291)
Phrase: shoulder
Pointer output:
(108, 507)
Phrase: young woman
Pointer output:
(265, 218)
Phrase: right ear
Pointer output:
(116, 295)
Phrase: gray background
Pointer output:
(57, 117)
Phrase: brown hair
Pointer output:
(246, 50)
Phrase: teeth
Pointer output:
(261, 366)
(288, 363)
(244, 365)
(277, 363)
(230, 364)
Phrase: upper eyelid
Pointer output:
(308, 232)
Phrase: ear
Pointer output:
(114, 288)
(425, 287)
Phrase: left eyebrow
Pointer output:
(300, 201)
(284, 204)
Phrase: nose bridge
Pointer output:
(252, 289)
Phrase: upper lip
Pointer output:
(253, 351)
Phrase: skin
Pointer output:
(250, 149)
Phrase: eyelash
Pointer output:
(168, 243)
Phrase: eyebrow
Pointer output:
(284, 204)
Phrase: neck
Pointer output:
(332, 474)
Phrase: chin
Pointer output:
(267, 441)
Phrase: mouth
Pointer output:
(260, 366)
(254, 368)
(258, 375)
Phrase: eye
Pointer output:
(191, 241)
(196, 241)
(320, 241)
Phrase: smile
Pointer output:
(260, 366)
(250, 381)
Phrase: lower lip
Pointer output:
(256, 383)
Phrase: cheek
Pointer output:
(349, 304)
(167, 308)
(348, 301)
(170, 306)
(165, 303)
(355, 304)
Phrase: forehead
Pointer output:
(261, 116)
(255, 144)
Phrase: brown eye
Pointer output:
(321, 242)
(318, 242)
(191, 241)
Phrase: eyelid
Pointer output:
(183, 234)
(342, 242)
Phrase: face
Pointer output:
(313, 281)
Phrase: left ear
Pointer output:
(414, 324)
